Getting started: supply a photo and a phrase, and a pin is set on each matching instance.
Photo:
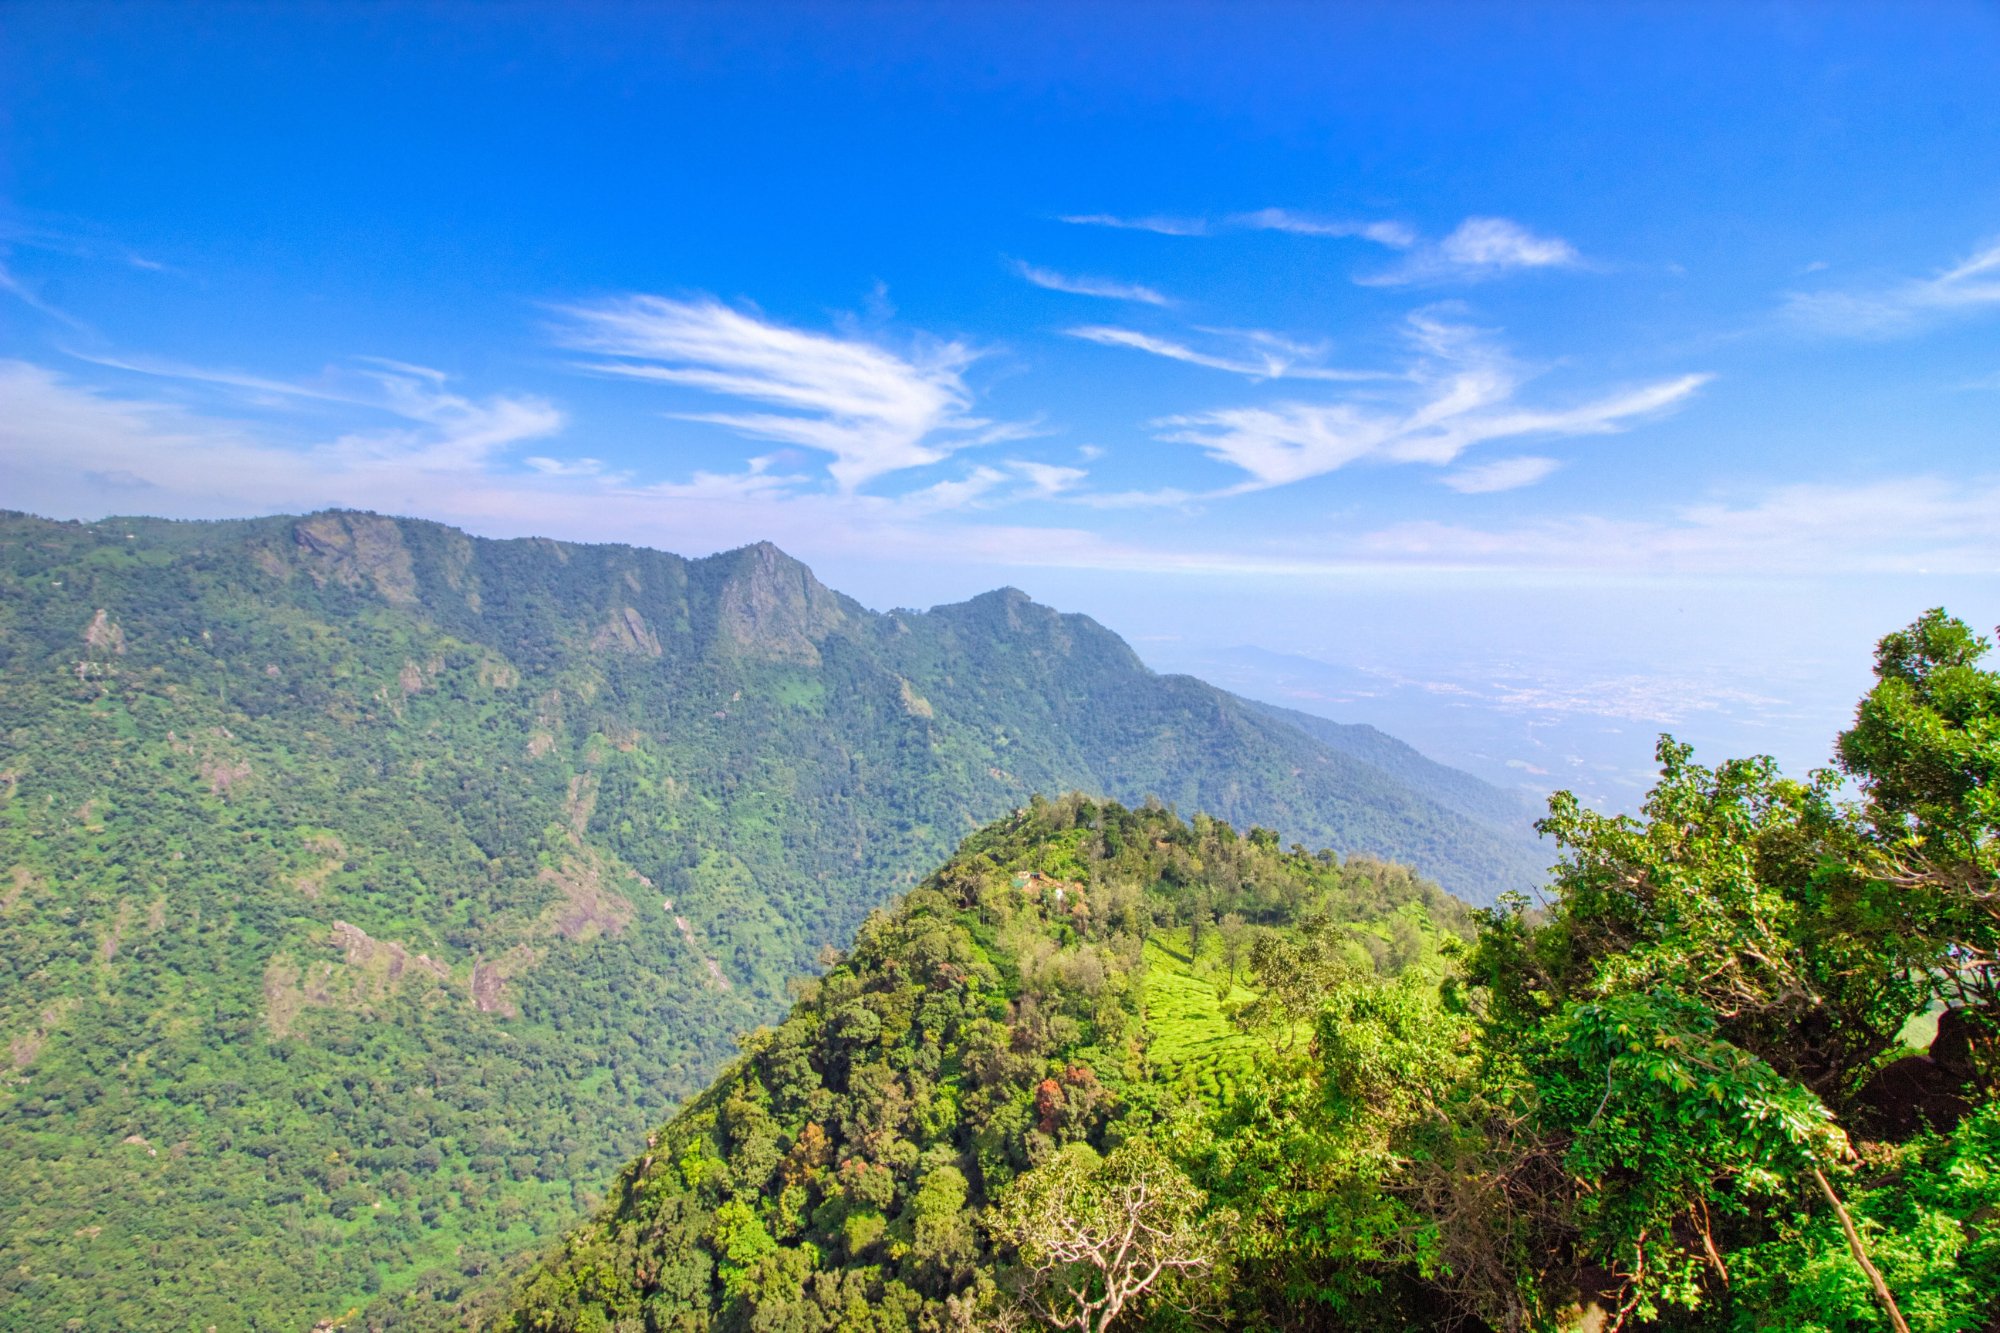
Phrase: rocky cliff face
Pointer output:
(356, 549)
(771, 607)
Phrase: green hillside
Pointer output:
(1109, 1070)
(1193, 1046)
(368, 890)
(1070, 976)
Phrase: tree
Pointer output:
(1233, 931)
(1687, 1119)
(1200, 916)
(1925, 746)
(944, 1244)
(1707, 975)
(1294, 973)
(1740, 891)
(1097, 1236)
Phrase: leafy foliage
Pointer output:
(1926, 747)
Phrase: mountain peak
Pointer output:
(773, 607)
(770, 551)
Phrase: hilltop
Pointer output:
(1074, 975)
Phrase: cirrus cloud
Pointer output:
(1970, 285)
(66, 448)
(1477, 249)
(1159, 226)
(1502, 474)
(1258, 355)
(1395, 235)
(1108, 288)
(876, 411)
(1462, 393)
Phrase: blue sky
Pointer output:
(1526, 379)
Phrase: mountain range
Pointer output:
(368, 889)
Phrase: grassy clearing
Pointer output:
(1192, 1042)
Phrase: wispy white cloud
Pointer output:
(1977, 280)
(1502, 474)
(447, 430)
(74, 239)
(1971, 285)
(1463, 393)
(874, 410)
(62, 440)
(1395, 235)
(260, 388)
(1901, 525)
(450, 431)
(1164, 497)
(1498, 243)
(1109, 288)
(1048, 479)
(566, 467)
(951, 494)
(756, 482)
(1478, 249)
(985, 487)
(1162, 226)
(1260, 355)
(70, 448)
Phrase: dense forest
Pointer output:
(368, 890)
(1109, 1069)
(1079, 978)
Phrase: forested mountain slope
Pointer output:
(1108, 1071)
(1455, 790)
(1078, 977)
(367, 890)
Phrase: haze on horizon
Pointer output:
(1525, 380)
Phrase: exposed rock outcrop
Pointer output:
(369, 972)
(103, 635)
(626, 632)
(773, 608)
(352, 549)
